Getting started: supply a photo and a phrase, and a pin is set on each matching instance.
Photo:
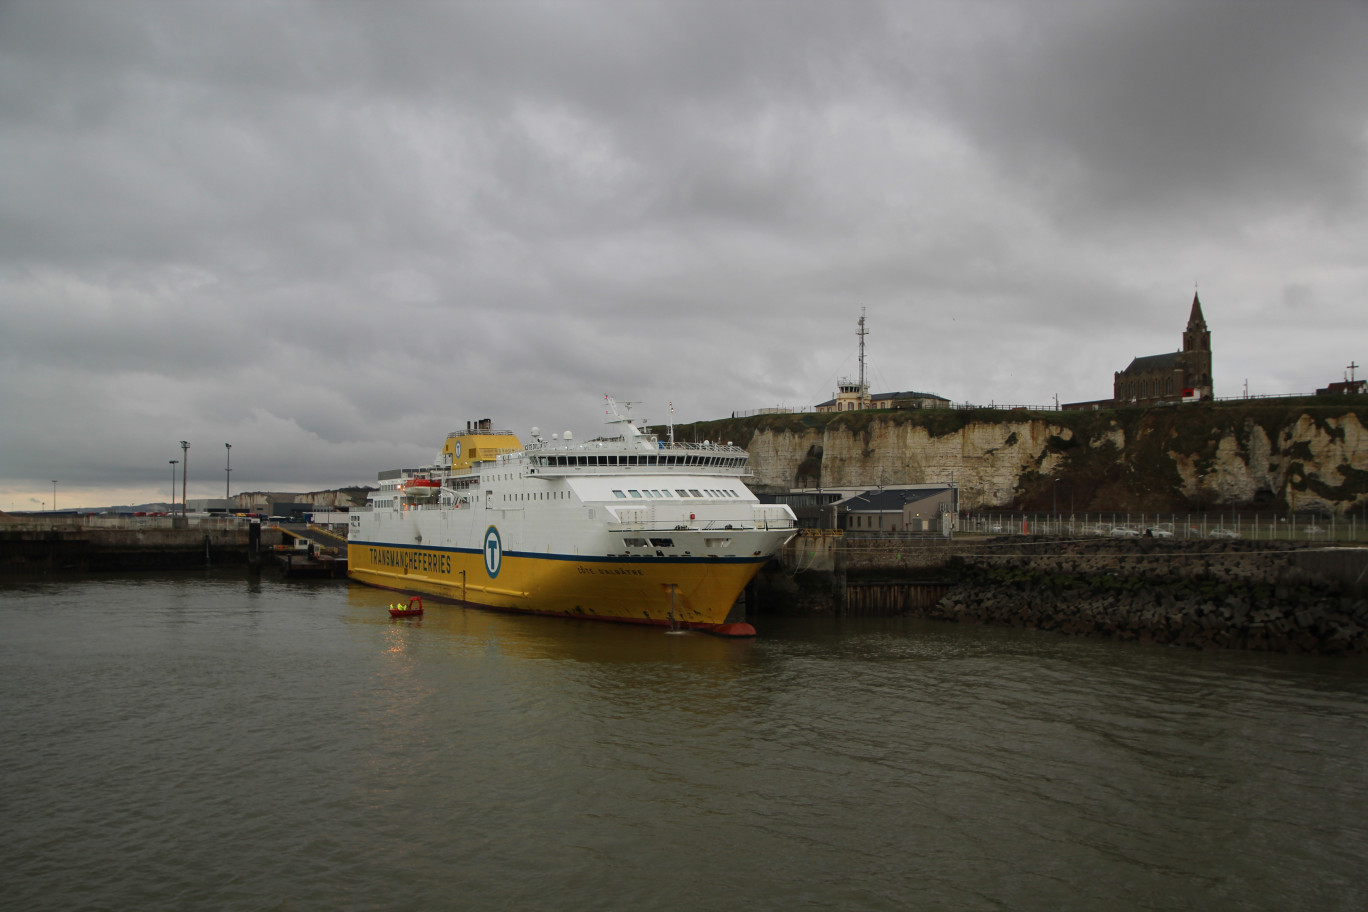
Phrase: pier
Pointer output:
(102, 544)
(311, 552)
(1270, 595)
(97, 544)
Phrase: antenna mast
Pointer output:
(861, 333)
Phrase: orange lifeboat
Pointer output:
(421, 487)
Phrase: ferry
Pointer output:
(626, 527)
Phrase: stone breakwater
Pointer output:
(1231, 595)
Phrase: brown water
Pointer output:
(207, 742)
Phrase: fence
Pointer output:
(76, 522)
(995, 406)
(1256, 527)
(951, 406)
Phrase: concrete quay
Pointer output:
(144, 543)
(1280, 596)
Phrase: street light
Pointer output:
(228, 471)
(174, 463)
(185, 470)
(54, 495)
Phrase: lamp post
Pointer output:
(54, 495)
(228, 471)
(185, 470)
(174, 463)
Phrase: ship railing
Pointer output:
(684, 525)
(682, 470)
(704, 447)
(633, 522)
(775, 517)
(474, 432)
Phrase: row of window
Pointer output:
(643, 494)
(630, 493)
(681, 492)
(535, 495)
(643, 459)
(1144, 389)
(1148, 389)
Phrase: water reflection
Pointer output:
(205, 726)
(537, 637)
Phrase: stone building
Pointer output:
(1183, 375)
(873, 511)
(852, 397)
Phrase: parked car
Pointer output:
(1159, 533)
(1223, 533)
(1122, 531)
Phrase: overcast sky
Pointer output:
(329, 233)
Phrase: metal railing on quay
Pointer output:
(124, 521)
(1216, 526)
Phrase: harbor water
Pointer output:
(212, 741)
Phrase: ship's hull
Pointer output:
(688, 592)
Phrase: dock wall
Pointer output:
(43, 552)
(1281, 597)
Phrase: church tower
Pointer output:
(1196, 338)
(1196, 356)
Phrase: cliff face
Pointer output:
(1302, 456)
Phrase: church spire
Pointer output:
(1196, 322)
(1196, 337)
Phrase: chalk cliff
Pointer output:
(1303, 455)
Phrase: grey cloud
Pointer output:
(330, 232)
(1169, 110)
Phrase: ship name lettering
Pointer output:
(421, 561)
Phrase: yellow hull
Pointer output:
(691, 593)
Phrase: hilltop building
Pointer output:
(1184, 374)
(1347, 388)
(850, 400)
(853, 395)
(1350, 386)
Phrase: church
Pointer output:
(1172, 377)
